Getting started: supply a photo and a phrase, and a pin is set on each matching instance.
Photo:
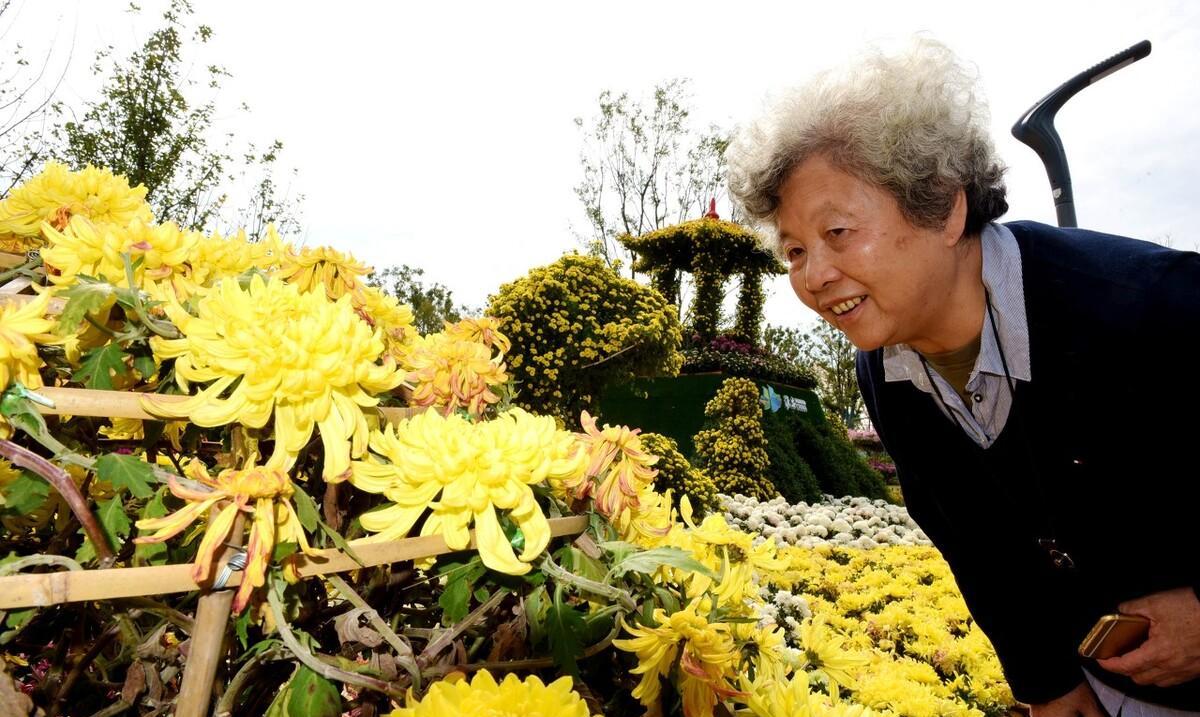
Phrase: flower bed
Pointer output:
(846, 522)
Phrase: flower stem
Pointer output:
(404, 652)
(443, 640)
(61, 480)
(554, 570)
(313, 663)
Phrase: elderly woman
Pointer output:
(1036, 387)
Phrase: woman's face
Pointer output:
(856, 260)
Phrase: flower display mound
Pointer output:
(577, 326)
(848, 521)
(736, 357)
(304, 421)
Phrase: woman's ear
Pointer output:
(956, 223)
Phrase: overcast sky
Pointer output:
(440, 135)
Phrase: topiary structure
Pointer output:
(575, 327)
(734, 450)
(679, 476)
(711, 250)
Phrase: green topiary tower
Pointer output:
(711, 250)
(734, 451)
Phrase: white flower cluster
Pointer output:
(851, 522)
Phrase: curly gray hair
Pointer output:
(911, 123)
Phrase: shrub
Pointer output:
(576, 326)
(788, 471)
(839, 468)
(677, 475)
(737, 355)
(734, 450)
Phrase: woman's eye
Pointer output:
(794, 253)
(836, 231)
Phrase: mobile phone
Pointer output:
(1114, 635)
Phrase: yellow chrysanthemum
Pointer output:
(296, 356)
(324, 268)
(452, 373)
(483, 697)
(472, 470)
(706, 652)
(619, 470)
(22, 327)
(824, 654)
(261, 492)
(730, 554)
(484, 330)
(57, 194)
(218, 257)
(86, 247)
(393, 319)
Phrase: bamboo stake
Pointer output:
(128, 404)
(9, 260)
(44, 589)
(208, 638)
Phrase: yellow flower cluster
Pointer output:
(900, 605)
(618, 473)
(95, 249)
(293, 356)
(734, 453)
(482, 696)
(677, 475)
(263, 493)
(22, 328)
(324, 268)
(57, 194)
(463, 473)
(576, 325)
(456, 368)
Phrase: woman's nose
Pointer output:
(819, 270)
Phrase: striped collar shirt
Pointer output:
(991, 400)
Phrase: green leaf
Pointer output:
(283, 550)
(113, 520)
(481, 594)
(313, 696)
(152, 553)
(564, 625)
(338, 541)
(145, 366)
(279, 705)
(83, 298)
(306, 510)
(18, 618)
(125, 471)
(649, 561)
(455, 599)
(25, 494)
(536, 607)
(241, 627)
(100, 365)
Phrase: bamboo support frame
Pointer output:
(46, 589)
(208, 638)
(126, 404)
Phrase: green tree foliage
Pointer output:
(577, 326)
(145, 126)
(831, 356)
(26, 101)
(432, 304)
(645, 166)
(733, 449)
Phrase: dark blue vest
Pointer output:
(1099, 454)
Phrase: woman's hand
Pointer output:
(1171, 654)
(1079, 701)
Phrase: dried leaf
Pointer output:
(351, 630)
(135, 682)
(12, 700)
(385, 665)
(510, 641)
